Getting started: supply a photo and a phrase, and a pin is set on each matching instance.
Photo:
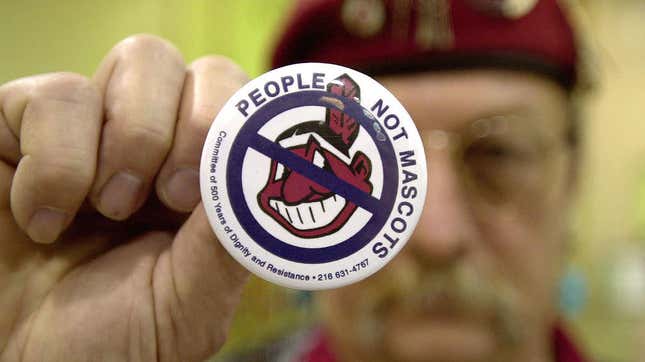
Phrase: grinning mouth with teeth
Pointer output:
(310, 215)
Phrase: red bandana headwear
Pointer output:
(394, 36)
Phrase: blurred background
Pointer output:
(603, 291)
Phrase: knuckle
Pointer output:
(72, 172)
(218, 62)
(148, 45)
(147, 136)
(220, 68)
(200, 119)
(68, 87)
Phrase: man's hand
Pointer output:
(105, 250)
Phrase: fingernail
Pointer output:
(120, 195)
(46, 225)
(182, 189)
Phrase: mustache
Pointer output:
(457, 289)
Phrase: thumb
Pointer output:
(197, 300)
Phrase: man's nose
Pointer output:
(446, 225)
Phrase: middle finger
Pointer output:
(142, 79)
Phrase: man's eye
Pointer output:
(497, 153)
(319, 160)
(498, 170)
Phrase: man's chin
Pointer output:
(444, 340)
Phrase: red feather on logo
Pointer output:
(338, 122)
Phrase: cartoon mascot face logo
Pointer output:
(303, 207)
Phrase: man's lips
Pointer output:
(310, 215)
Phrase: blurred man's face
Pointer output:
(477, 280)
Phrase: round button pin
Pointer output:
(313, 176)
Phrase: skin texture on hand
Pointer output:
(105, 249)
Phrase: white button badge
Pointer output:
(313, 176)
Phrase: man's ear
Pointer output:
(361, 165)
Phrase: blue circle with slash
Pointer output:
(248, 137)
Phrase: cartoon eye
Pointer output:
(279, 172)
(319, 160)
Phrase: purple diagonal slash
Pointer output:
(315, 173)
